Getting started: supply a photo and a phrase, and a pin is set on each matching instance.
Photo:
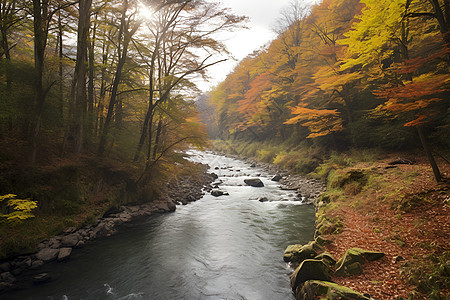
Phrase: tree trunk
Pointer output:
(434, 166)
(91, 104)
(122, 54)
(112, 102)
(80, 72)
(61, 79)
(40, 13)
(157, 138)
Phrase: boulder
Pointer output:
(54, 243)
(255, 182)
(70, 230)
(347, 266)
(310, 269)
(24, 263)
(5, 286)
(313, 289)
(47, 254)
(322, 241)
(41, 278)
(70, 240)
(263, 199)
(7, 277)
(327, 258)
(5, 267)
(277, 177)
(36, 264)
(218, 193)
(298, 253)
(64, 253)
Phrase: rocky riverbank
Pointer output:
(307, 189)
(395, 211)
(24, 270)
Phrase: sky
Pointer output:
(262, 15)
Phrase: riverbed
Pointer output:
(227, 247)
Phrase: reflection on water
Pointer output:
(227, 247)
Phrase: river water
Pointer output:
(227, 247)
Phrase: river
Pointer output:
(227, 247)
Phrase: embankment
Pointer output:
(382, 202)
(111, 201)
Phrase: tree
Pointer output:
(127, 28)
(43, 13)
(79, 81)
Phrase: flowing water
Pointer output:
(227, 247)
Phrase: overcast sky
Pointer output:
(262, 16)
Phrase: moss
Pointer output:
(327, 290)
(347, 266)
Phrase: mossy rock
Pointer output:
(322, 241)
(326, 290)
(310, 269)
(329, 226)
(298, 253)
(346, 266)
(327, 258)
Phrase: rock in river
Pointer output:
(47, 254)
(64, 253)
(276, 177)
(255, 182)
(217, 193)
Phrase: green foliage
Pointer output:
(430, 277)
(17, 210)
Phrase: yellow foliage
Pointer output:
(21, 208)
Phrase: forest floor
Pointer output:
(399, 210)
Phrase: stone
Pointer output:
(401, 161)
(313, 289)
(47, 254)
(218, 193)
(41, 278)
(70, 230)
(346, 265)
(310, 269)
(255, 182)
(64, 254)
(263, 199)
(54, 243)
(353, 269)
(80, 244)
(298, 253)
(25, 263)
(253, 165)
(277, 178)
(322, 241)
(17, 271)
(326, 257)
(36, 264)
(70, 240)
(43, 245)
(5, 286)
(7, 277)
(5, 267)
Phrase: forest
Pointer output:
(96, 101)
(111, 80)
(343, 74)
(100, 102)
